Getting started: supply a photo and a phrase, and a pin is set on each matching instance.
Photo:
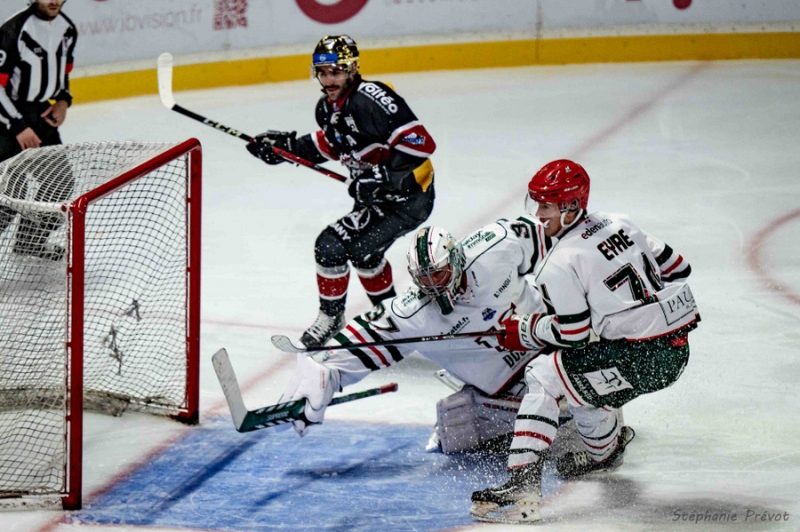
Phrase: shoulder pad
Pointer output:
(409, 303)
(483, 240)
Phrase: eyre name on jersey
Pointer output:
(634, 284)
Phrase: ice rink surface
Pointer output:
(703, 155)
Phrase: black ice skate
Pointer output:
(322, 330)
(515, 502)
(575, 464)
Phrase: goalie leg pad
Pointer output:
(468, 420)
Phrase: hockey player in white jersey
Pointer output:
(605, 275)
(467, 286)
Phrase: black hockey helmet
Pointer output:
(335, 50)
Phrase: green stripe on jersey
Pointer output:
(422, 249)
(396, 356)
(358, 353)
(576, 344)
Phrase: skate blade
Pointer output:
(490, 512)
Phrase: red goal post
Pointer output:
(99, 302)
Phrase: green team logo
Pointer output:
(376, 313)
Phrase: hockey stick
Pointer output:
(245, 420)
(285, 344)
(168, 100)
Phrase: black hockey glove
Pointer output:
(263, 144)
(370, 186)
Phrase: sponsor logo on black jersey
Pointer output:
(379, 95)
(413, 138)
(357, 220)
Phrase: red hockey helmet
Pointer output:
(562, 182)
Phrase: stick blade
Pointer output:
(230, 387)
(285, 344)
(165, 80)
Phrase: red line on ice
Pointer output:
(753, 255)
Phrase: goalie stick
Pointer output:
(168, 100)
(285, 344)
(245, 420)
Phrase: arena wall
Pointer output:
(237, 42)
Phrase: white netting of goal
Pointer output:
(134, 305)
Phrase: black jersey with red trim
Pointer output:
(36, 57)
(372, 125)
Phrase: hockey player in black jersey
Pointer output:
(371, 130)
(36, 57)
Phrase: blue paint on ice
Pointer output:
(341, 477)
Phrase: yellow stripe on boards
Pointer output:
(637, 48)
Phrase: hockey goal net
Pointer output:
(99, 302)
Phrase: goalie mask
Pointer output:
(563, 183)
(337, 51)
(436, 264)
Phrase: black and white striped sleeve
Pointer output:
(671, 265)
(10, 117)
(357, 362)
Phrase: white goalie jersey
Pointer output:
(608, 275)
(499, 258)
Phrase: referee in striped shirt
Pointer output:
(36, 57)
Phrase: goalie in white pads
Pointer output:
(467, 286)
(607, 275)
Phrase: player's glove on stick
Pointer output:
(519, 333)
(315, 382)
(370, 186)
(264, 142)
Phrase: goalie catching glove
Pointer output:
(316, 383)
(520, 333)
(262, 146)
